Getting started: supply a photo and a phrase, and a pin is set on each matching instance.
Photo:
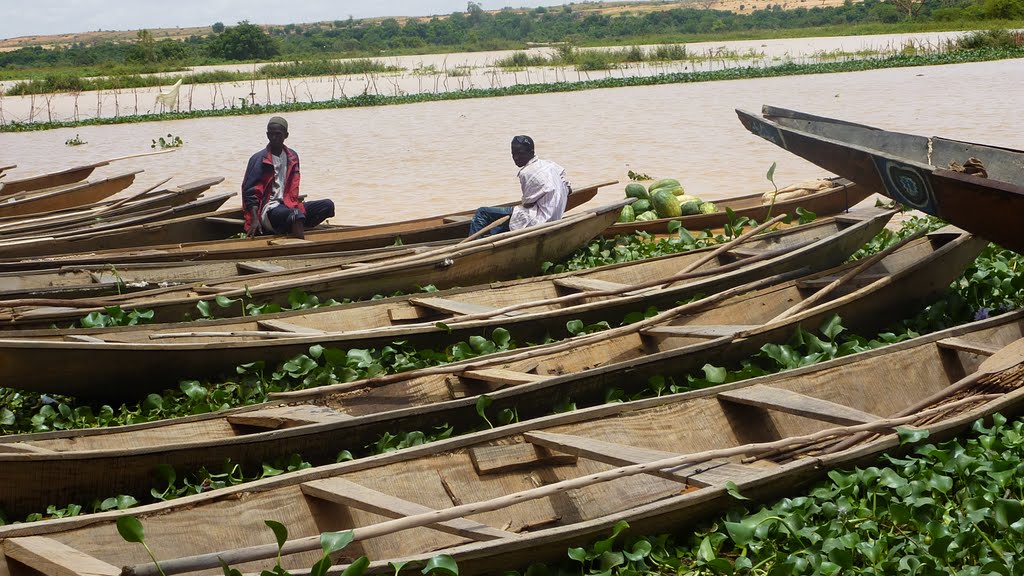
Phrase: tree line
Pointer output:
(477, 29)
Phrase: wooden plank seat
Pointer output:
(507, 458)
(451, 306)
(587, 284)
(963, 345)
(287, 416)
(256, 267)
(282, 326)
(770, 398)
(48, 556)
(341, 491)
(698, 331)
(710, 473)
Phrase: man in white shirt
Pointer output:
(545, 192)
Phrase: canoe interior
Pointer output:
(523, 456)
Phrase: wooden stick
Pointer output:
(126, 199)
(997, 363)
(729, 246)
(485, 229)
(862, 266)
(534, 351)
(305, 544)
(139, 155)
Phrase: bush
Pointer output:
(988, 39)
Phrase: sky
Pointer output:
(40, 17)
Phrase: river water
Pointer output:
(397, 162)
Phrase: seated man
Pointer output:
(545, 192)
(270, 190)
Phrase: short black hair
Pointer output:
(523, 142)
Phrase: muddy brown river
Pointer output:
(398, 162)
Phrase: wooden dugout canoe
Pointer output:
(78, 218)
(318, 423)
(497, 257)
(94, 281)
(41, 243)
(913, 170)
(410, 318)
(63, 177)
(837, 199)
(505, 497)
(205, 238)
(65, 196)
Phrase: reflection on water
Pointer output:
(398, 162)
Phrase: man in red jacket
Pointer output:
(270, 190)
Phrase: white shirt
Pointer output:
(545, 192)
(280, 173)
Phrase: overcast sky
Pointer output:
(32, 17)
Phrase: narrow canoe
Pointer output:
(205, 238)
(412, 319)
(318, 422)
(49, 180)
(837, 199)
(92, 281)
(498, 257)
(107, 210)
(78, 238)
(505, 497)
(914, 170)
(65, 196)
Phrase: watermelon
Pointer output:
(662, 183)
(634, 190)
(627, 214)
(647, 216)
(684, 198)
(708, 208)
(665, 204)
(641, 206)
(690, 208)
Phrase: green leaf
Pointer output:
(280, 532)
(442, 563)
(501, 337)
(911, 436)
(771, 173)
(742, 533)
(442, 326)
(331, 542)
(578, 554)
(193, 390)
(224, 301)
(1008, 512)
(357, 568)
(130, 529)
(6, 417)
(228, 570)
(714, 374)
(574, 327)
(397, 566)
(673, 226)
(734, 491)
(204, 308)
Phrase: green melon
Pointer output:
(634, 190)
(690, 208)
(641, 206)
(627, 214)
(665, 204)
(647, 216)
(663, 183)
(684, 198)
(708, 208)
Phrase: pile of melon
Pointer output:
(662, 199)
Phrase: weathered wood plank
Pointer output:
(699, 331)
(82, 338)
(587, 284)
(282, 326)
(770, 398)
(22, 448)
(859, 281)
(701, 474)
(502, 376)
(451, 306)
(348, 493)
(964, 345)
(500, 459)
(256, 267)
(288, 416)
(458, 218)
(408, 313)
(51, 557)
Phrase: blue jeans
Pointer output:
(487, 214)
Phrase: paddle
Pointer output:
(1005, 358)
(485, 229)
(308, 543)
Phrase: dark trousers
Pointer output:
(281, 217)
(487, 214)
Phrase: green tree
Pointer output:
(244, 42)
(218, 27)
(145, 49)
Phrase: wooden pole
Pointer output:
(262, 552)
(485, 229)
(862, 266)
